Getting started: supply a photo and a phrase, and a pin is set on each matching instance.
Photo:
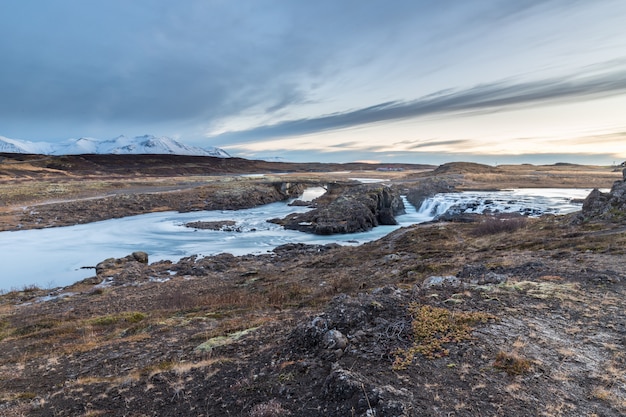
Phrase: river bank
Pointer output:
(68, 254)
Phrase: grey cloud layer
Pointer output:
(149, 61)
(500, 96)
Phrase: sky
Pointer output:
(419, 81)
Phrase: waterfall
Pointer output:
(430, 208)
(436, 205)
(530, 202)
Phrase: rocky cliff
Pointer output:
(357, 209)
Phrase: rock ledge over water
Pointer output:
(357, 209)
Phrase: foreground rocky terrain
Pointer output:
(507, 316)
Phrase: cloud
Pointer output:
(154, 60)
(437, 143)
(149, 61)
(493, 97)
(259, 69)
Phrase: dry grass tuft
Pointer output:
(512, 363)
(433, 328)
(551, 289)
(272, 408)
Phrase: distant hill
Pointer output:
(16, 165)
(465, 168)
(121, 145)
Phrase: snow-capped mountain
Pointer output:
(23, 146)
(77, 147)
(146, 144)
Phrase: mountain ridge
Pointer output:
(121, 145)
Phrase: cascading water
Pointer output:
(435, 206)
(531, 202)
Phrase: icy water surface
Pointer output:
(54, 257)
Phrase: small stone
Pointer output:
(440, 281)
(334, 339)
(392, 257)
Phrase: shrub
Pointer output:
(495, 225)
(33, 328)
(133, 317)
(129, 317)
(177, 300)
(31, 288)
(104, 320)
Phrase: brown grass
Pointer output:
(272, 408)
(434, 328)
(495, 225)
(512, 363)
(550, 176)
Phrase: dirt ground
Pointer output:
(437, 319)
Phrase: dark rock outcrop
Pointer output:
(116, 263)
(298, 249)
(606, 206)
(366, 327)
(122, 270)
(222, 225)
(357, 209)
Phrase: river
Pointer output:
(56, 256)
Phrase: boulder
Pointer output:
(300, 203)
(220, 225)
(441, 281)
(469, 276)
(480, 275)
(141, 257)
(132, 264)
(609, 206)
(334, 339)
(365, 327)
(298, 249)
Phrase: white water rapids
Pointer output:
(54, 257)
